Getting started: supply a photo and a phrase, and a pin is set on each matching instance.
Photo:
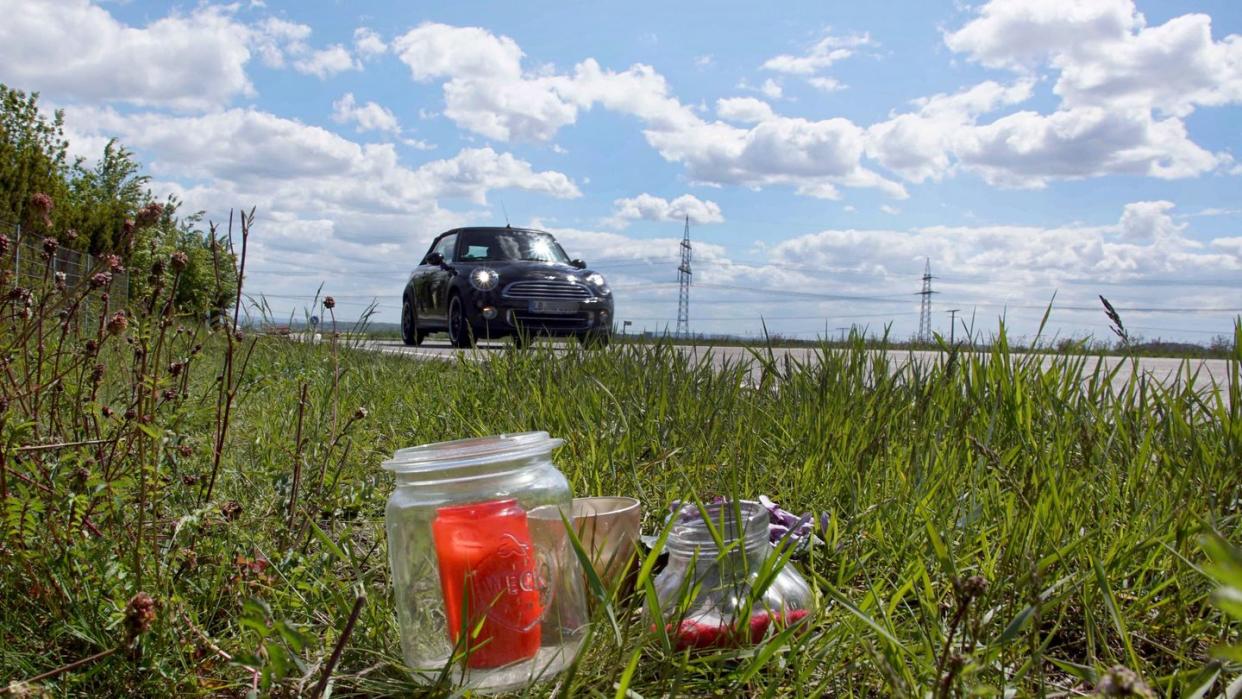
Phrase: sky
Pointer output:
(824, 152)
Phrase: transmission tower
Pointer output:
(683, 278)
(925, 331)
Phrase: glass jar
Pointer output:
(714, 596)
(487, 585)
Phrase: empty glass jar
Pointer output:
(487, 585)
(714, 596)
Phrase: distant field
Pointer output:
(1080, 503)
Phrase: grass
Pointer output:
(996, 525)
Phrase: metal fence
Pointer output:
(30, 268)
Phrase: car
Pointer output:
(490, 283)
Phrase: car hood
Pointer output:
(514, 271)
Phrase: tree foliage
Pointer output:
(94, 208)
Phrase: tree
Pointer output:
(33, 159)
(108, 207)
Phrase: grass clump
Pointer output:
(997, 523)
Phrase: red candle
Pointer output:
(490, 579)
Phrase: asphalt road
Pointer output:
(1159, 368)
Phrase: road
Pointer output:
(1159, 368)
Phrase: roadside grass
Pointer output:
(998, 523)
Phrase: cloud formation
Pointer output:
(647, 207)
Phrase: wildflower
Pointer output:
(174, 369)
(71, 234)
(189, 479)
(329, 302)
(4, 404)
(107, 411)
(1121, 681)
(130, 414)
(60, 281)
(150, 214)
(41, 203)
(180, 261)
(169, 394)
(49, 246)
(101, 279)
(185, 451)
(974, 586)
(4, 244)
(117, 323)
(360, 413)
(139, 615)
(157, 268)
(91, 346)
(114, 264)
(231, 510)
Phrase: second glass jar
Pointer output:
(717, 590)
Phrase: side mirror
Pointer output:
(436, 259)
(580, 264)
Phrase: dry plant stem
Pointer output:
(228, 390)
(60, 445)
(943, 683)
(340, 645)
(61, 670)
(297, 457)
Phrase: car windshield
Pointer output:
(509, 245)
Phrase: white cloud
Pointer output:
(368, 44)
(825, 84)
(282, 165)
(744, 110)
(918, 144)
(327, 62)
(704, 61)
(487, 91)
(1147, 221)
(890, 210)
(276, 38)
(1123, 87)
(366, 117)
(997, 264)
(647, 207)
(823, 53)
(1028, 149)
(771, 89)
(1106, 55)
(76, 50)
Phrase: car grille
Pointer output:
(547, 289)
(537, 321)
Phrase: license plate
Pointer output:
(553, 307)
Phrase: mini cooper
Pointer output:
(488, 283)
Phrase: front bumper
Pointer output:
(492, 315)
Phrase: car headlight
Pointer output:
(597, 281)
(484, 279)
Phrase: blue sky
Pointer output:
(1027, 147)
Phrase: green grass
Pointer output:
(1081, 504)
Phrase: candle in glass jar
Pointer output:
(490, 579)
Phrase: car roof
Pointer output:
(493, 229)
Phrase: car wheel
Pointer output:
(409, 325)
(460, 334)
(595, 339)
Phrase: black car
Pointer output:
(484, 283)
